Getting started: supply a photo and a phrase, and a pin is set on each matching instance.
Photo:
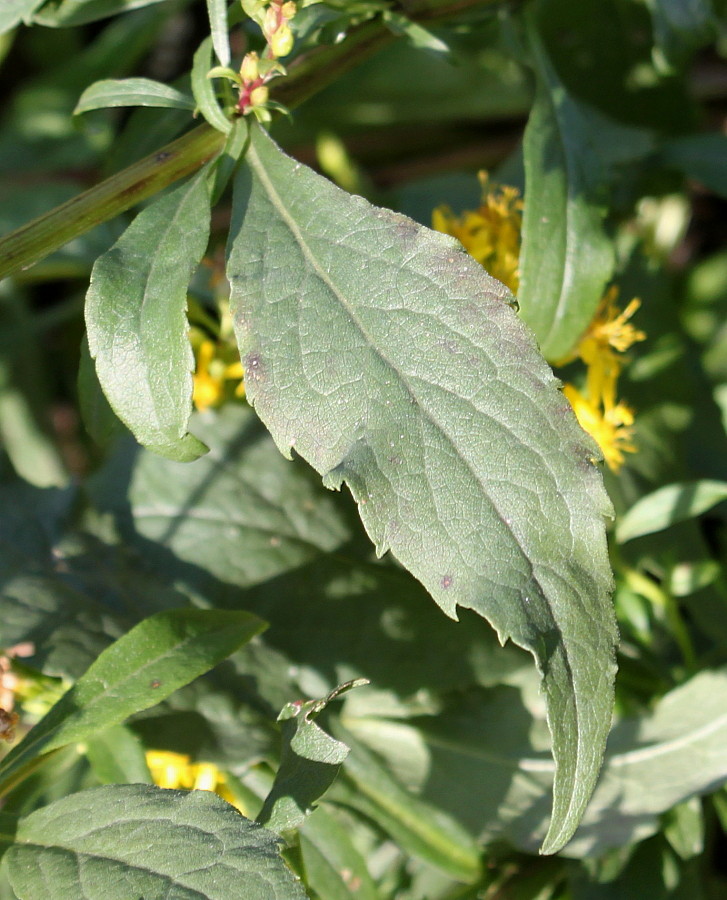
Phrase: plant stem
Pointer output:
(309, 73)
(31, 243)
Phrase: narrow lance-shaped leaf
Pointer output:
(131, 92)
(566, 256)
(142, 668)
(390, 360)
(127, 841)
(136, 321)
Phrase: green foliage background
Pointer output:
(180, 582)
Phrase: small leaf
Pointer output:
(131, 92)
(217, 12)
(204, 90)
(135, 316)
(309, 763)
(669, 505)
(566, 257)
(390, 360)
(141, 669)
(123, 842)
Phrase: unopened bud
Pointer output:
(259, 96)
(250, 68)
(288, 10)
(271, 21)
(281, 43)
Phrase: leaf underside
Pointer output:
(390, 360)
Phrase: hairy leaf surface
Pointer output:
(134, 840)
(388, 358)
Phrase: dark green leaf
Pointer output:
(680, 27)
(701, 157)
(129, 841)
(669, 505)
(566, 258)
(141, 669)
(390, 360)
(131, 92)
(309, 763)
(135, 316)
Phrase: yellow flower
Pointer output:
(491, 233)
(212, 373)
(176, 770)
(601, 348)
(610, 425)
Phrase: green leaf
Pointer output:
(204, 90)
(117, 756)
(334, 868)
(669, 505)
(566, 257)
(309, 764)
(680, 27)
(136, 322)
(131, 92)
(387, 358)
(141, 669)
(12, 12)
(701, 157)
(423, 830)
(100, 420)
(217, 12)
(64, 13)
(121, 842)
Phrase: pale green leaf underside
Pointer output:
(136, 319)
(131, 92)
(122, 842)
(388, 358)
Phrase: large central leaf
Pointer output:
(390, 360)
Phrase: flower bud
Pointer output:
(281, 43)
(250, 68)
(259, 96)
(288, 10)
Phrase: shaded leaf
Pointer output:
(12, 12)
(136, 322)
(131, 92)
(669, 505)
(425, 831)
(390, 360)
(139, 670)
(701, 157)
(566, 257)
(334, 868)
(123, 841)
(63, 13)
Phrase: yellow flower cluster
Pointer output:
(176, 770)
(491, 234)
(608, 337)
